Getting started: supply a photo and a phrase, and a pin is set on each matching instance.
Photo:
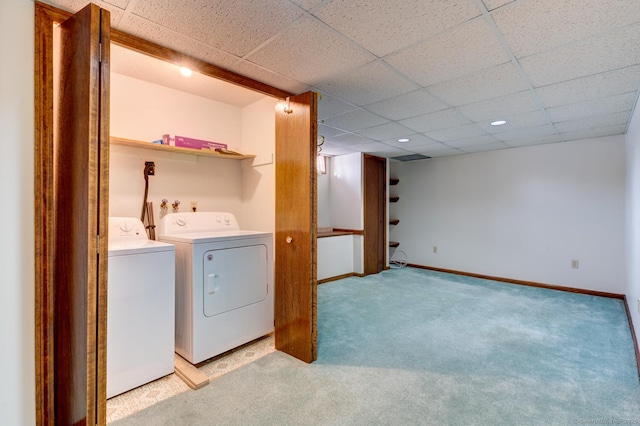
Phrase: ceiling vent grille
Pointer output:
(411, 157)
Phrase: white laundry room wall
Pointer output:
(145, 111)
(520, 213)
(259, 174)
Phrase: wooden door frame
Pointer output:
(44, 247)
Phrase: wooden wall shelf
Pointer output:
(394, 222)
(176, 149)
(394, 199)
(394, 181)
(393, 244)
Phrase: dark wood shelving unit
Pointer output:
(393, 182)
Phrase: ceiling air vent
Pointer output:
(410, 157)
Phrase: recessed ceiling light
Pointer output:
(498, 122)
(404, 140)
(186, 71)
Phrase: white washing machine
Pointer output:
(224, 282)
(140, 307)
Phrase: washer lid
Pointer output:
(130, 248)
(127, 236)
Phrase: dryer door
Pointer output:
(233, 278)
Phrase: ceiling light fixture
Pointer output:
(498, 122)
(404, 140)
(186, 72)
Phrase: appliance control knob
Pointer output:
(210, 257)
(181, 221)
(218, 219)
(124, 227)
(227, 220)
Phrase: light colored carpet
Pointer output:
(409, 346)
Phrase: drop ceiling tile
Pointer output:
(329, 132)
(444, 119)
(386, 131)
(329, 106)
(355, 120)
(307, 4)
(530, 27)
(617, 103)
(455, 133)
(464, 50)
(498, 108)
(494, 4)
(540, 140)
(349, 140)
(370, 83)
(266, 76)
(407, 105)
(594, 133)
(235, 27)
(392, 154)
(518, 121)
(434, 147)
(116, 7)
(376, 147)
(443, 152)
(383, 28)
(122, 4)
(491, 83)
(416, 141)
(530, 133)
(482, 148)
(477, 140)
(592, 123)
(309, 52)
(335, 150)
(613, 50)
(165, 37)
(595, 86)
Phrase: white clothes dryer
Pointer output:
(224, 282)
(140, 307)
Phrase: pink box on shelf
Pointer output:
(185, 142)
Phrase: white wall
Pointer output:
(144, 111)
(521, 213)
(17, 359)
(346, 191)
(632, 289)
(259, 174)
(324, 196)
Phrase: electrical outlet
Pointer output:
(575, 263)
(435, 249)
